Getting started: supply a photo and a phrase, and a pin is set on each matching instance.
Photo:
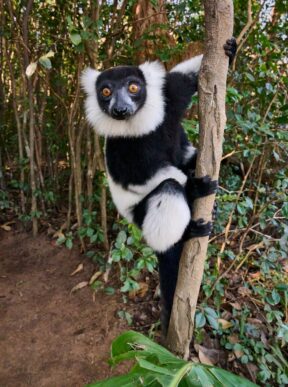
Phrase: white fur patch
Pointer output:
(164, 224)
(88, 80)
(125, 199)
(189, 66)
(189, 153)
(162, 174)
(146, 120)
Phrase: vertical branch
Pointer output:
(18, 126)
(31, 117)
(103, 199)
(212, 92)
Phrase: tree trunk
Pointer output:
(212, 91)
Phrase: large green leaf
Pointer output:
(157, 367)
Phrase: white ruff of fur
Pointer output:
(145, 121)
(165, 222)
(189, 66)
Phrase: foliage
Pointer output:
(132, 255)
(155, 366)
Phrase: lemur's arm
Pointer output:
(181, 84)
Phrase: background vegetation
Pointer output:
(52, 169)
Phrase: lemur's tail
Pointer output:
(168, 273)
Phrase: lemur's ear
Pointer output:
(88, 79)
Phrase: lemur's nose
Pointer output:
(119, 111)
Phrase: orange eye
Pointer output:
(106, 92)
(133, 88)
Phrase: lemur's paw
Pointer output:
(230, 49)
(198, 228)
(198, 187)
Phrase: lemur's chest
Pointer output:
(136, 160)
(137, 166)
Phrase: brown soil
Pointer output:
(48, 336)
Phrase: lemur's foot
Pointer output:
(197, 228)
(198, 187)
(230, 49)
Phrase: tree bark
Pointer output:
(212, 92)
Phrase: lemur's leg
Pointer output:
(165, 218)
(168, 273)
(163, 215)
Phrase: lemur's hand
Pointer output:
(197, 228)
(198, 187)
(230, 49)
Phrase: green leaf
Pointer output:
(157, 366)
(127, 254)
(284, 209)
(136, 341)
(250, 77)
(129, 380)
(69, 243)
(152, 367)
(200, 320)
(121, 237)
(210, 312)
(75, 38)
(109, 290)
(116, 255)
(89, 231)
(45, 62)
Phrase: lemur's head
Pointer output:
(125, 101)
(121, 91)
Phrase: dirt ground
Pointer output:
(48, 336)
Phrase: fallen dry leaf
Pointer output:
(141, 292)
(81, 285)
(95, 276)
(236, 305)
(233, 339)
(5, 227)
(238, 353)
(204, 357)
(244, 291)
(79, 268)
(224, 323)
(256, 275)
(58, 234)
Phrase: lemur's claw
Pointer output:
(230, 49)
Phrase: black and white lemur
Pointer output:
(149, 160)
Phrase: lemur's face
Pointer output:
(121, 91)
(125, 101)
